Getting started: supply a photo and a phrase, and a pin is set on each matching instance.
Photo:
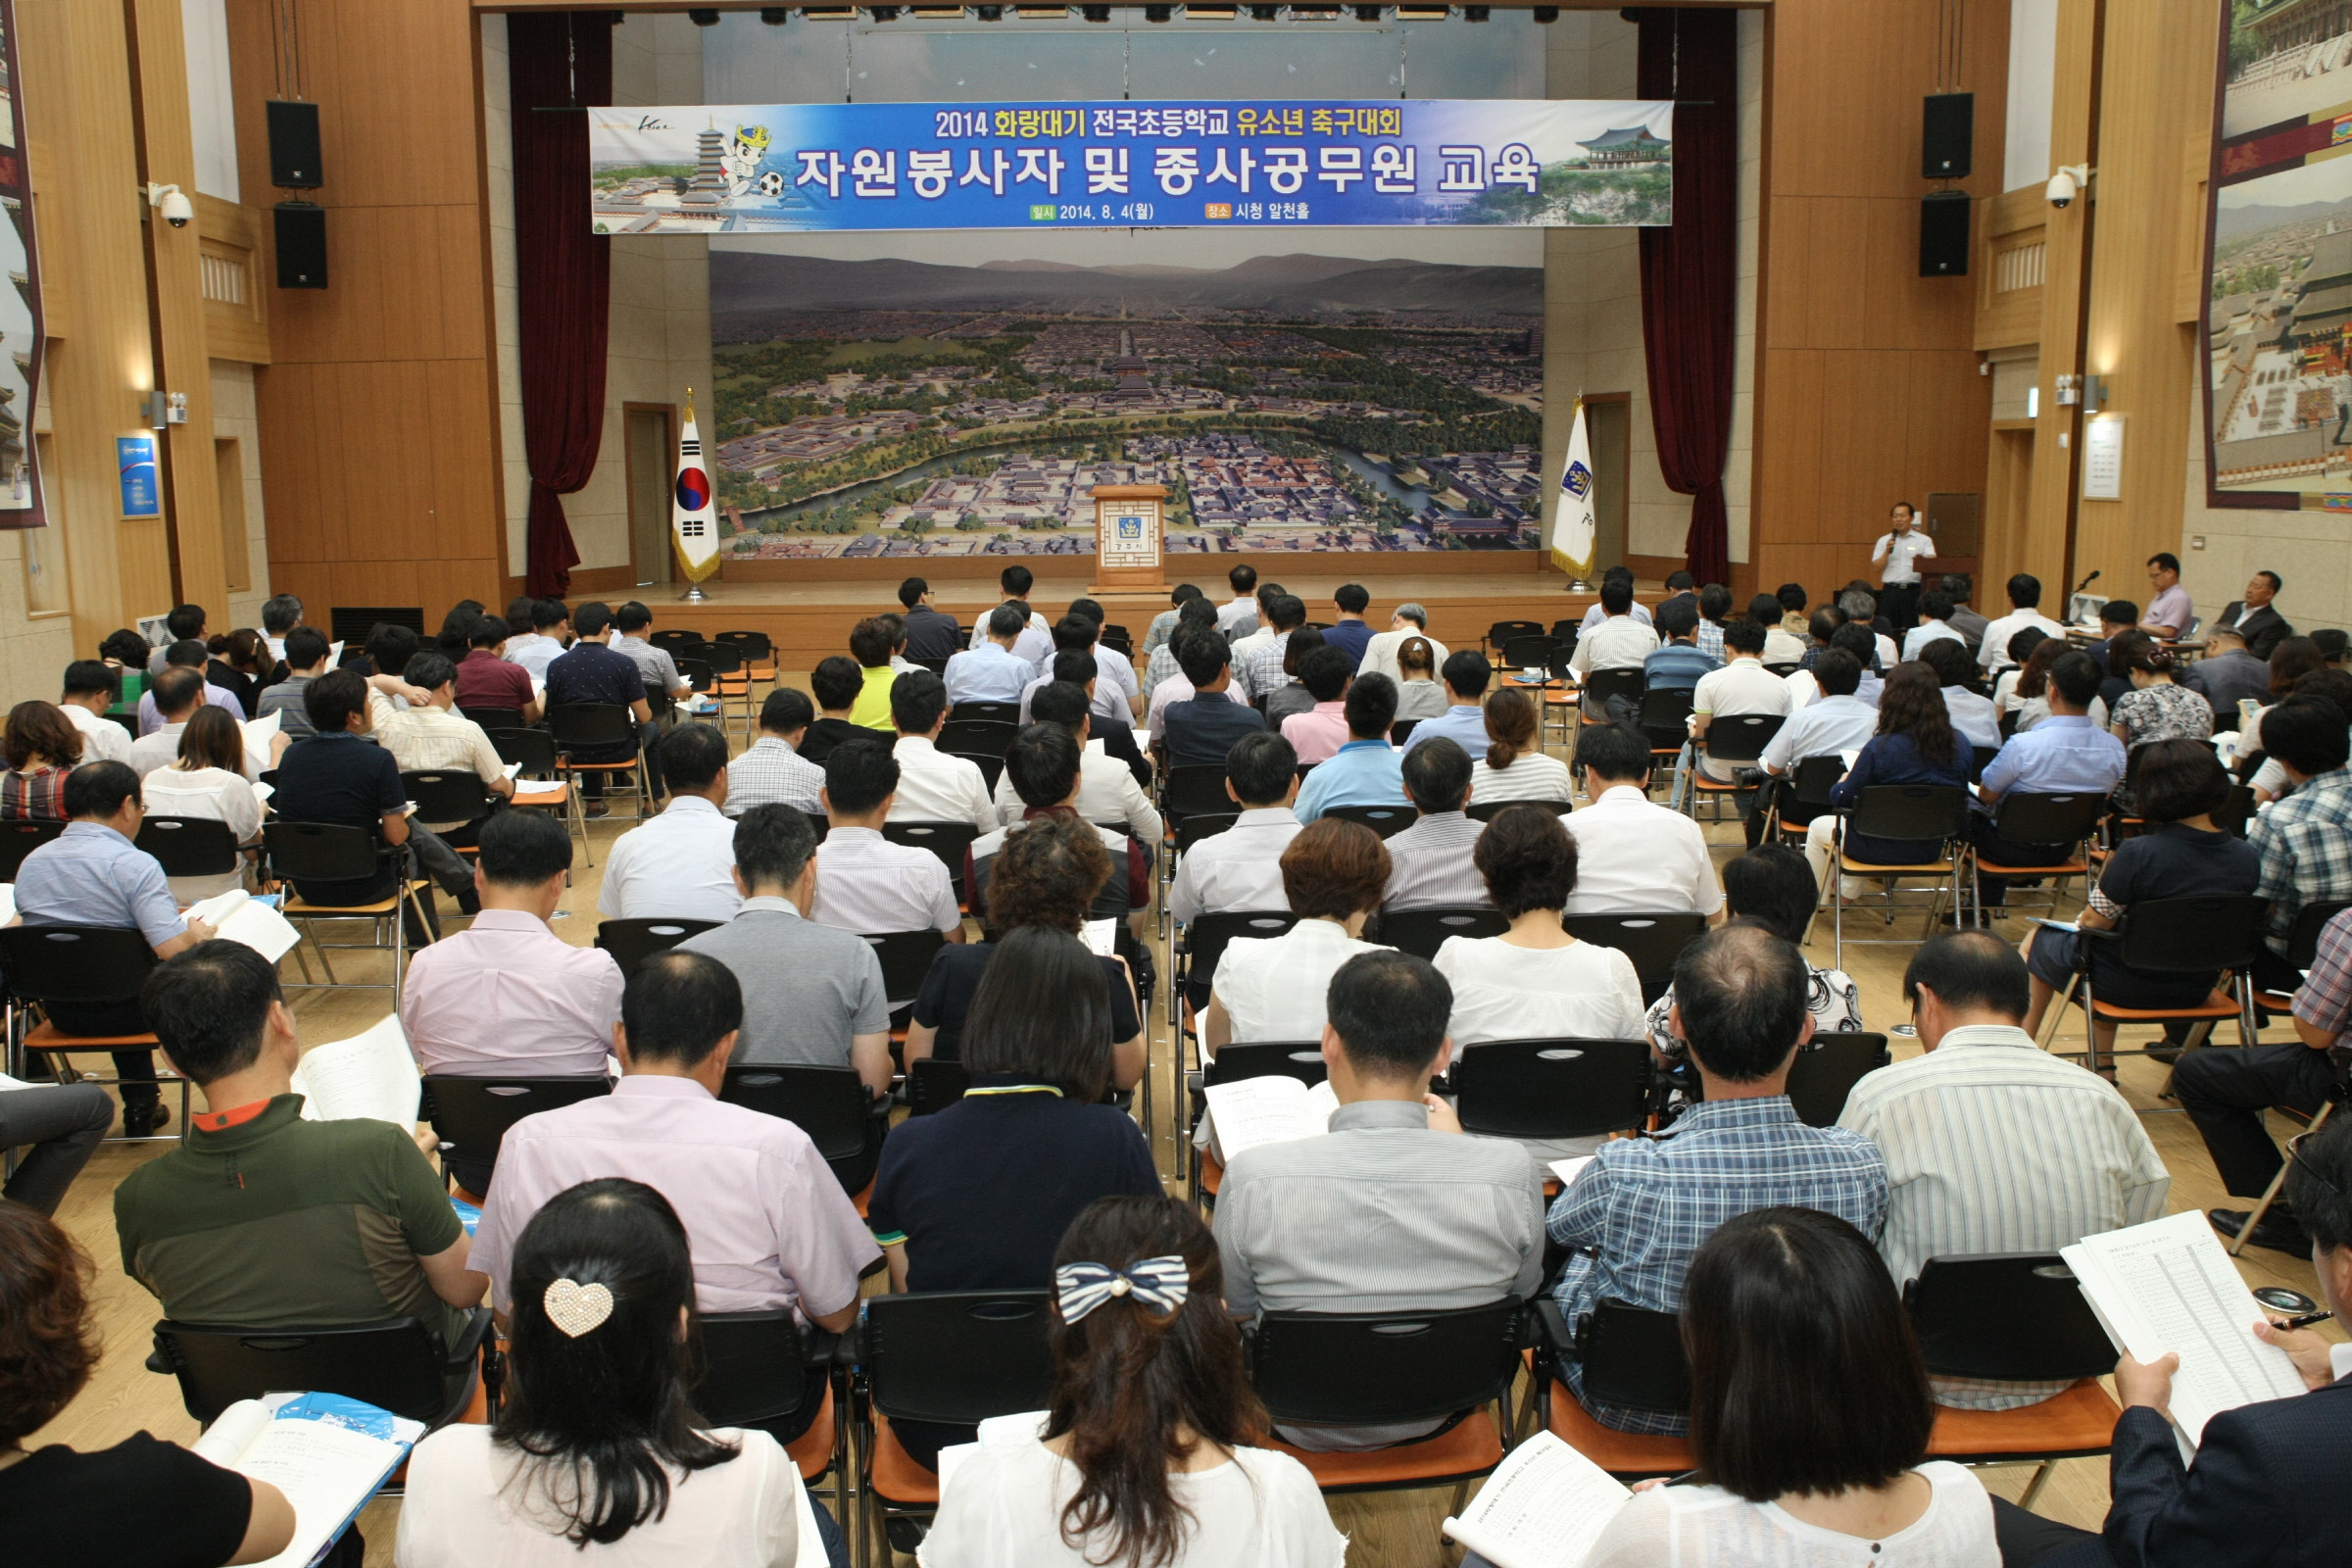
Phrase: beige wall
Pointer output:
(237, 418)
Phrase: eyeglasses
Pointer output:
(2294, 1152)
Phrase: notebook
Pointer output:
(369, 1075)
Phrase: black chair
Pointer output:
(1979, 759)
(1827, 1068)
(828, 1103)
(1385, 820)
(1552, 1089)
(396, 1364)
(991, 713)
(534, 751)
(1629, 1357)
(1602, 684)
(906, 958)
(1934, 813)
(1488, 811)
(2172, 936)
(352, 624)
(190, 846)
(1301, 1059)
(1738, 739)
(1196, 787)
(758, 653)
(1193, 827)
(1401, 731)
(534, 748)
(599, 727)
(20, 839)
(754, 1371)
(1503, 631)
(1199, 945)
(450, 794)
(491, 718)
(2069, 820)
(990, 764)
(934, 1084)
(1785, 668)
(1422, 932)
(2302, 945)
(1567, 629)
(949, 841)
(977, 736)
(1666, 719)
(86, 964)
(1806, 785)
(673, 638)
(1652, 941)
(953, 1358)
(1527, 651)
(333, 852)
(632, 942)
(470, 1116)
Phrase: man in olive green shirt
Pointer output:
(264, 1219)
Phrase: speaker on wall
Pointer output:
(293, 145)
(1948, 135)
(301, 245)
(1944, 234)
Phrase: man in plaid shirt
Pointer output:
(1257, 658)
(1637, 1214)
(2306, 839)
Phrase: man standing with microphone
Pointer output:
(1900, 549)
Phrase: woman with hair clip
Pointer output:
(1418, 694)
(1915, 745)
(2030, 697)
(2157, 707)
(41, 747)
(597, 1456)
(1144, 1460)
(1514, 768)
(240, 665)
(207, 781)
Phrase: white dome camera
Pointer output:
(176, 207)
(2066, 185)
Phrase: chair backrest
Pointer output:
(1196, 787)
(946, 839)
(990, 764)
(1401, 731)
(1979, 759)
(957, 1356)
(534, 748)
(751, 1368)
(828, 1103)
(2049, 819)
(1826, 1069)
(1301, 1059)
(1487, 811)
(1785, 668)
(1652, 941)
(1665, 716)
(1634, 1357)
(985, 735)
(632, 942)
(1910, 810)
(995, 713)
(471, 1115)
(933, 1084)
(448, 795)
(323, 851)
(674, 637)
(1370, 1368)
(2304, 945)
(2194, 935)
(1742, 737)
(1567, 629)
(190, 846)
(724, 658)
(74, 962)
(590, 724)
(2237, 812)
(493, 718)
(2012, 1316)
(1565, 1088)
(1814, 777)
(695, 672)
(392, 1364)
(1385, 820)
(1195, 826)
(906, 958)
(1205, 940)
(1602, 684)
(1528, 651)
(1503, 631)
(754, 646)
(20, 839)
(1422, 932)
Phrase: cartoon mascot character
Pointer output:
(741, 161)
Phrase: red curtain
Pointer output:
(1688, 270)
(556, 60)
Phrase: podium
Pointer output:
(1127, 539)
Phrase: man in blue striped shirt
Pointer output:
(1679, 661)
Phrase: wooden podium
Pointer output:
(1127, 539)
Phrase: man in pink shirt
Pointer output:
(1323, 728)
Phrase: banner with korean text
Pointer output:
(818, 168)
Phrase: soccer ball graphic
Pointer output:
(771, 185)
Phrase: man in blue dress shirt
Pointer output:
(1464, 721)
(1367, 771)
(2065, 754)
(992, 672)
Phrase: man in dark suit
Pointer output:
(2267, 1486)
(2228, 673)
(930, 635)
(2264, 627)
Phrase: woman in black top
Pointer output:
(239, 664)
(2182, 855)
(142, 1503)
(1047, 874)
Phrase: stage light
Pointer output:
(1368, 13)
(882, 13)
(1548, 13)
(1094, 12)
(989, 13)
(1266, 13)
(1158, 12)
(775, 16)
(703, 19)
(1473, 13)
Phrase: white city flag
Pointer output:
(693, 523)
(1574, 529)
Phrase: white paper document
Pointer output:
(1543, 1507)
(2167, 1286)
(1100, 937)
(1568, 1170)
(259, 733)
(369, 1075)
(326, 1454)
(238, 917)
(1274, 1109)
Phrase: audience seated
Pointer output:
(2025, 609)
(1367, 771)
(1350, 632)
(930, 634)
(835, 684)
(933, 786)
(92, 875)
(1408, 622)
(188, 656)
(1840, 721)
(1857, 639)
(1772, 886)
(990, 671)
(768, 1225)
(1464, 722)
(2028, 685)
(261, 1218)
(41, 748)
(1296, 698)
(591, 672)
(1199, 724)
(1633, 856)
(1971, 626)
(1792, 598)
(1974, 719)
(1598, 610)
(1915, 743)
(1678, 662)
(1116, 670)
(2117, 619)
(433, 736)
(209, 782)
(305, 662)
(91, 687)
(174, 694)
(1079, 656)
(1619, 639)
(656, 668)
(1740, 687)
(1272, 989)
(2227, 674)
(865, 883)
(1109, 790)
(680, 862)
(1419, 694)
(1196, 613)
(597, 1455)
(1429, 863)
(2157, 707)
(1934, 625)
(53, 1129)
(484, 677)
(1644, 1204)
(1238, 617)
(1810, 1416)
(772, 771)
(1163, 625)
(550, 632)
(2063, 755)
(241, 664)
(1259, 660)
(1044, 762)
(1515, 768)
(1241, 868)
(1783, 628)
(1016, 582)
(139, 1502)
(812, 994)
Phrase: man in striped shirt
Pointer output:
(1991, 1144)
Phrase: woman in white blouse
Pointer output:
(1270, 989)
(1144, 1459)
(1513, 769)
(1810, 1416)
(1418, 694)
(207, 781)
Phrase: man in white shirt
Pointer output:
(177, 693)
(1238, 614)
(1619, 641)
(992, 672)
(1897, 553)
(1838, 721)
(536, 649)
(2025, 600)
(1241, 868)
(1974, 718)
(433, 736)
(1743, 686)
(1114, 670)
(772, 771)
(280, 615)
(1936, 624)
(1075, 661)
(1596, 613)
(682, 862)
(865, 883)
(1992, 1146)
(933, 786)
(1014, 582)
(1634, 857)
(90, 689)
(1107, 788)
(1409, 620)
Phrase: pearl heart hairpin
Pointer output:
(576, 1308)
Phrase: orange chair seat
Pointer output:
(766, 671)
(863, 1197)
(894, 1477)
(812, 1449)
(1211, 1173)
(1708, 786)
(1470, 1447)
(294, 905)
(1853, 868)
(48, 1037)
(1620, 1453)
(2070, 868)
(595, 767)
(2080, 1421)
(2217, 1006)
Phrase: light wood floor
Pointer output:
(1387, 1531)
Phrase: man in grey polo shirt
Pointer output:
(812, 993)
(1394, 1211)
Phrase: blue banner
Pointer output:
(134, 456)
(818, 168)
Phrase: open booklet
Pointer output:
(2167, 1286)
(369, 1075)
(1543, 1507)
(238, 917)
(329, 1454)
(1273, 1109)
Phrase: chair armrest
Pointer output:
(1552, 1327)
(468, 1344)
(822, 1346)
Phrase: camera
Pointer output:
(2066, 185)
(172, 203)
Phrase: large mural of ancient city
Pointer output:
(904, 407)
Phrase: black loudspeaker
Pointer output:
(294, 145)
(301, 245)
(1942, 235)
(1948, 135)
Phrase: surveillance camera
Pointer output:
(2066, 185)
(177, 210)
